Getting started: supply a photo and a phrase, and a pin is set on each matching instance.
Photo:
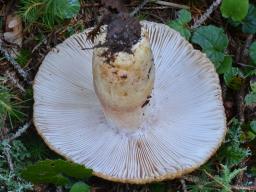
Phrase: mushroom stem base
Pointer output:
(124, 121)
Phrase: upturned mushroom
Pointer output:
(142, 105)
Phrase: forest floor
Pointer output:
(29, 31)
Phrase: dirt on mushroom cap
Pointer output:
(123, 32)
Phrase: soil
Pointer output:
(123, 32)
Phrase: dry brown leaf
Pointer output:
(13, 30)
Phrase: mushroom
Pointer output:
(145, 114)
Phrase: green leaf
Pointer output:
(234, 78)
(253, 86)
(253, 126)
(71, 8)
(47, 13)
(232, 153)
(225, 179)
(226, 65)
(213, 41)
(23, 57)
(236, 9)
(252, 52)
(249, 23)
(55, 172)
(180, 24)
(250, 99)
(184, 16)
(80, 187)
(10, 106)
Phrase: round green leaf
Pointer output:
(234, 78)
(213, 41)
(225, 65)
(236, 9)
(249, 23)
(80, 187)
(253, 126)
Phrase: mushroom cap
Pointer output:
(183, 125)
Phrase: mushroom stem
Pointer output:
(123, 82)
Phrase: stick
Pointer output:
(242, 91)
(205, 16)
(20, 131)
(11, 77)
(175, 5)
(15, 65)
(9, 158)
(247, 188)
(183, 184)
(137, 9)
(247, 45)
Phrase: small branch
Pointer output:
(14, 81)
(247, 45)
(247, 188)
(9, 158)
(15, 65)
(44, 40)
(192, 179)
(240, 103)
(218, 182)
(206, 15)
(20, 131)
(175, 5)
(244, 65)
(241, 94)
(183, 184)
(137, 9)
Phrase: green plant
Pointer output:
(232, 152)
(10, 106)
(248, 24)
(224, 180)
(250, 98)
(10, 180)
(235, 9)
(48, 12)
(55, 172)
(214, 42)
(181, 23)
(23, 57)
(252, 52)
(234, 78)
(80, 187)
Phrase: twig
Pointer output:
(9, 158)
(15, 65)
(20, 131)
(183, 184)
(247, 188)
(155, 7)
(59, 189)
(39, 44)
(244, 65)
(205, 16)
(240, 103)
(217, 181)
(246, 46)
(11, 77)
(241, 94)
(137, 9)
(175, 5)
(192, 179)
